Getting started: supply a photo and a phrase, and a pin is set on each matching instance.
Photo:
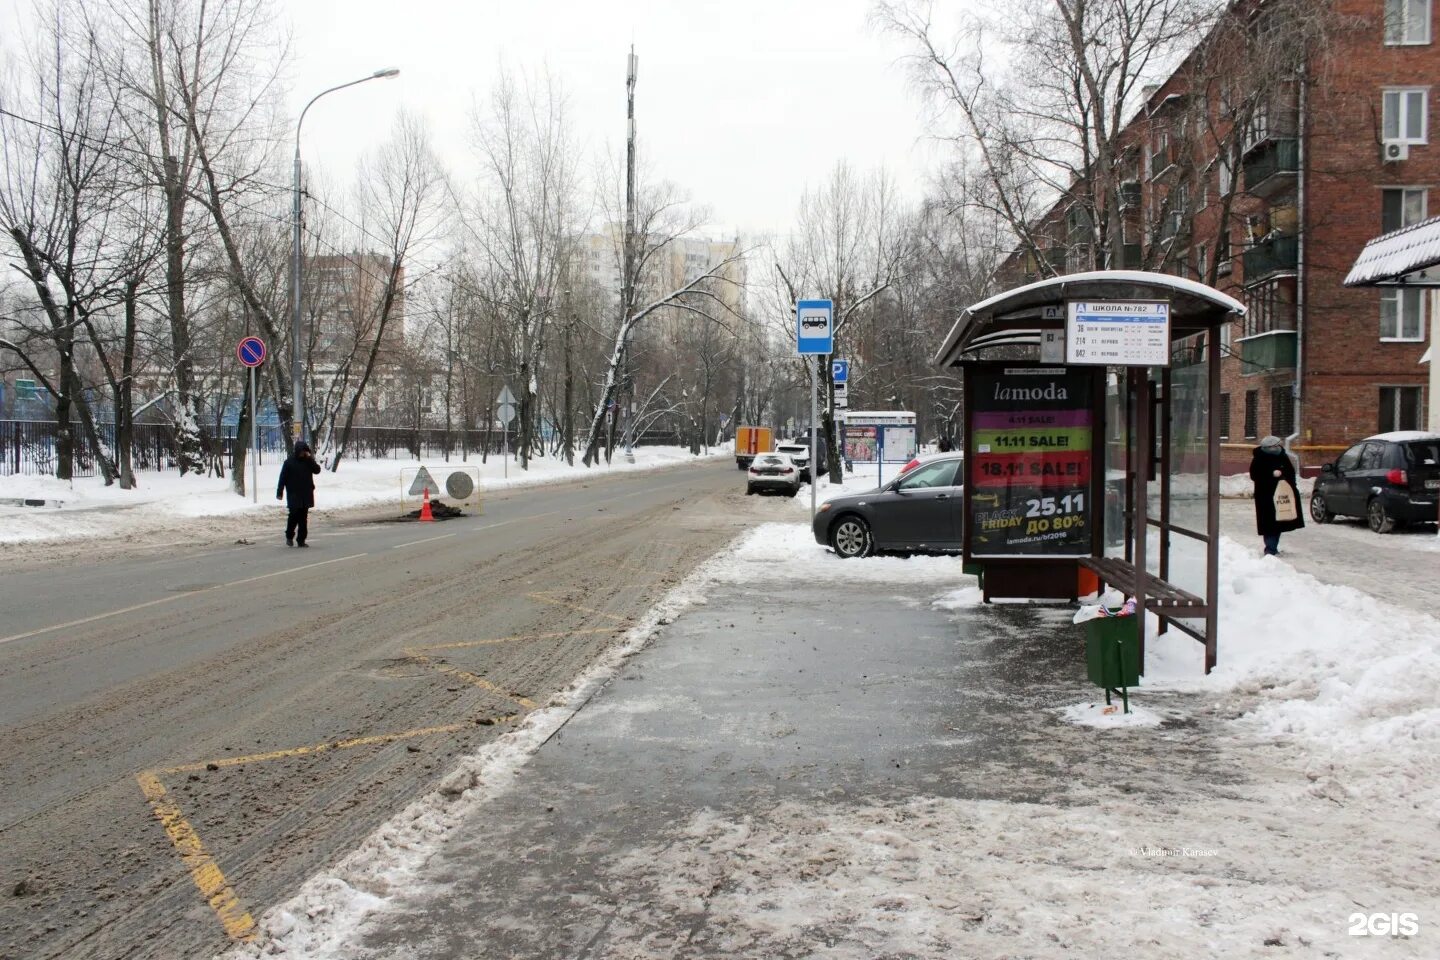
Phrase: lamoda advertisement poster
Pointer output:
(1029, 453)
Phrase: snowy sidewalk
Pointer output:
(856, 760)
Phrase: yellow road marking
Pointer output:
(314, 748)
(471, 678)
(204, 871)
(462, 644)
(545, 598)
(171, 599)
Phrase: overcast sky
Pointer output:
(743, 103)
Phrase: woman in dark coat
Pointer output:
(1269, 467)
(297, 488)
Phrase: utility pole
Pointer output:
(628, 297)
(629, 266)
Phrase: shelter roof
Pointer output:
(1018, 315)
(1404, 257)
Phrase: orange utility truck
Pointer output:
(751, 441)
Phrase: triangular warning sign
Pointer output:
(423, 482)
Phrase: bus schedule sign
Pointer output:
(1028, 454)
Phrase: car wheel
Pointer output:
(850, 537)
(1319, 512)
(1378, 517)
(749, 490)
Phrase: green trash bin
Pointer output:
(1112, 654)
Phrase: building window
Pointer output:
(1225, 415)
(1282, 411)
(1399, 408)
(1407, 21)
(1404, 116)
(1227, 337)
(1252, 413)
(1402, 314)
(1202, 263)
(1402, 207)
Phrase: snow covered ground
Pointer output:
(1325, 707)
(167, 501)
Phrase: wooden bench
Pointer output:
(1161, 597)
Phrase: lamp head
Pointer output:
(387, 72)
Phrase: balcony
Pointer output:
(1161, 160)
(1266, 352)
(1272, 167)
(1174, 228)
(1271, 256)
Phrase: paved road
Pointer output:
(227, 720)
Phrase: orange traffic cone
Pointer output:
(425, 515)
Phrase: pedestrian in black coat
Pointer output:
(1271, 466)
(297, 489)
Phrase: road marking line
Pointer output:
(281, 573)
(204, 871)
(313, 748)
(501, 523)
(170, 599)
(462, 644)
(426, 540)
(472, 678)
(544, 598)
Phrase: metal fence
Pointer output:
(32, 446)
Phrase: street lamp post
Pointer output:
(297, 371)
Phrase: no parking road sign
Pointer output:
(251, 351)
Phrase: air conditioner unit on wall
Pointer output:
(1392, 152)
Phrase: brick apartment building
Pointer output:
(1271, 203)
(344, 296)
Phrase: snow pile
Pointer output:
(1239, 486)
(1329, 664)
(788, 551)
(91, 509)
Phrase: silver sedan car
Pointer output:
(773, 472)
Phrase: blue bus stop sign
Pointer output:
(251, 351)
(814, 329)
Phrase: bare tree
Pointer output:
(1047, 118)
(524, 223)
(65, 223)
(403, 191)
(852, 245)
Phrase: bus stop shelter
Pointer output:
(1090, 442)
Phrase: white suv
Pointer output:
(800, 453)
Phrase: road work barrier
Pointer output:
(457, 485)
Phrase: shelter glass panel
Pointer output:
(1119, 408)
(1189, 439)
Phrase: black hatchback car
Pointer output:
(919, 511)
(1386, 479)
